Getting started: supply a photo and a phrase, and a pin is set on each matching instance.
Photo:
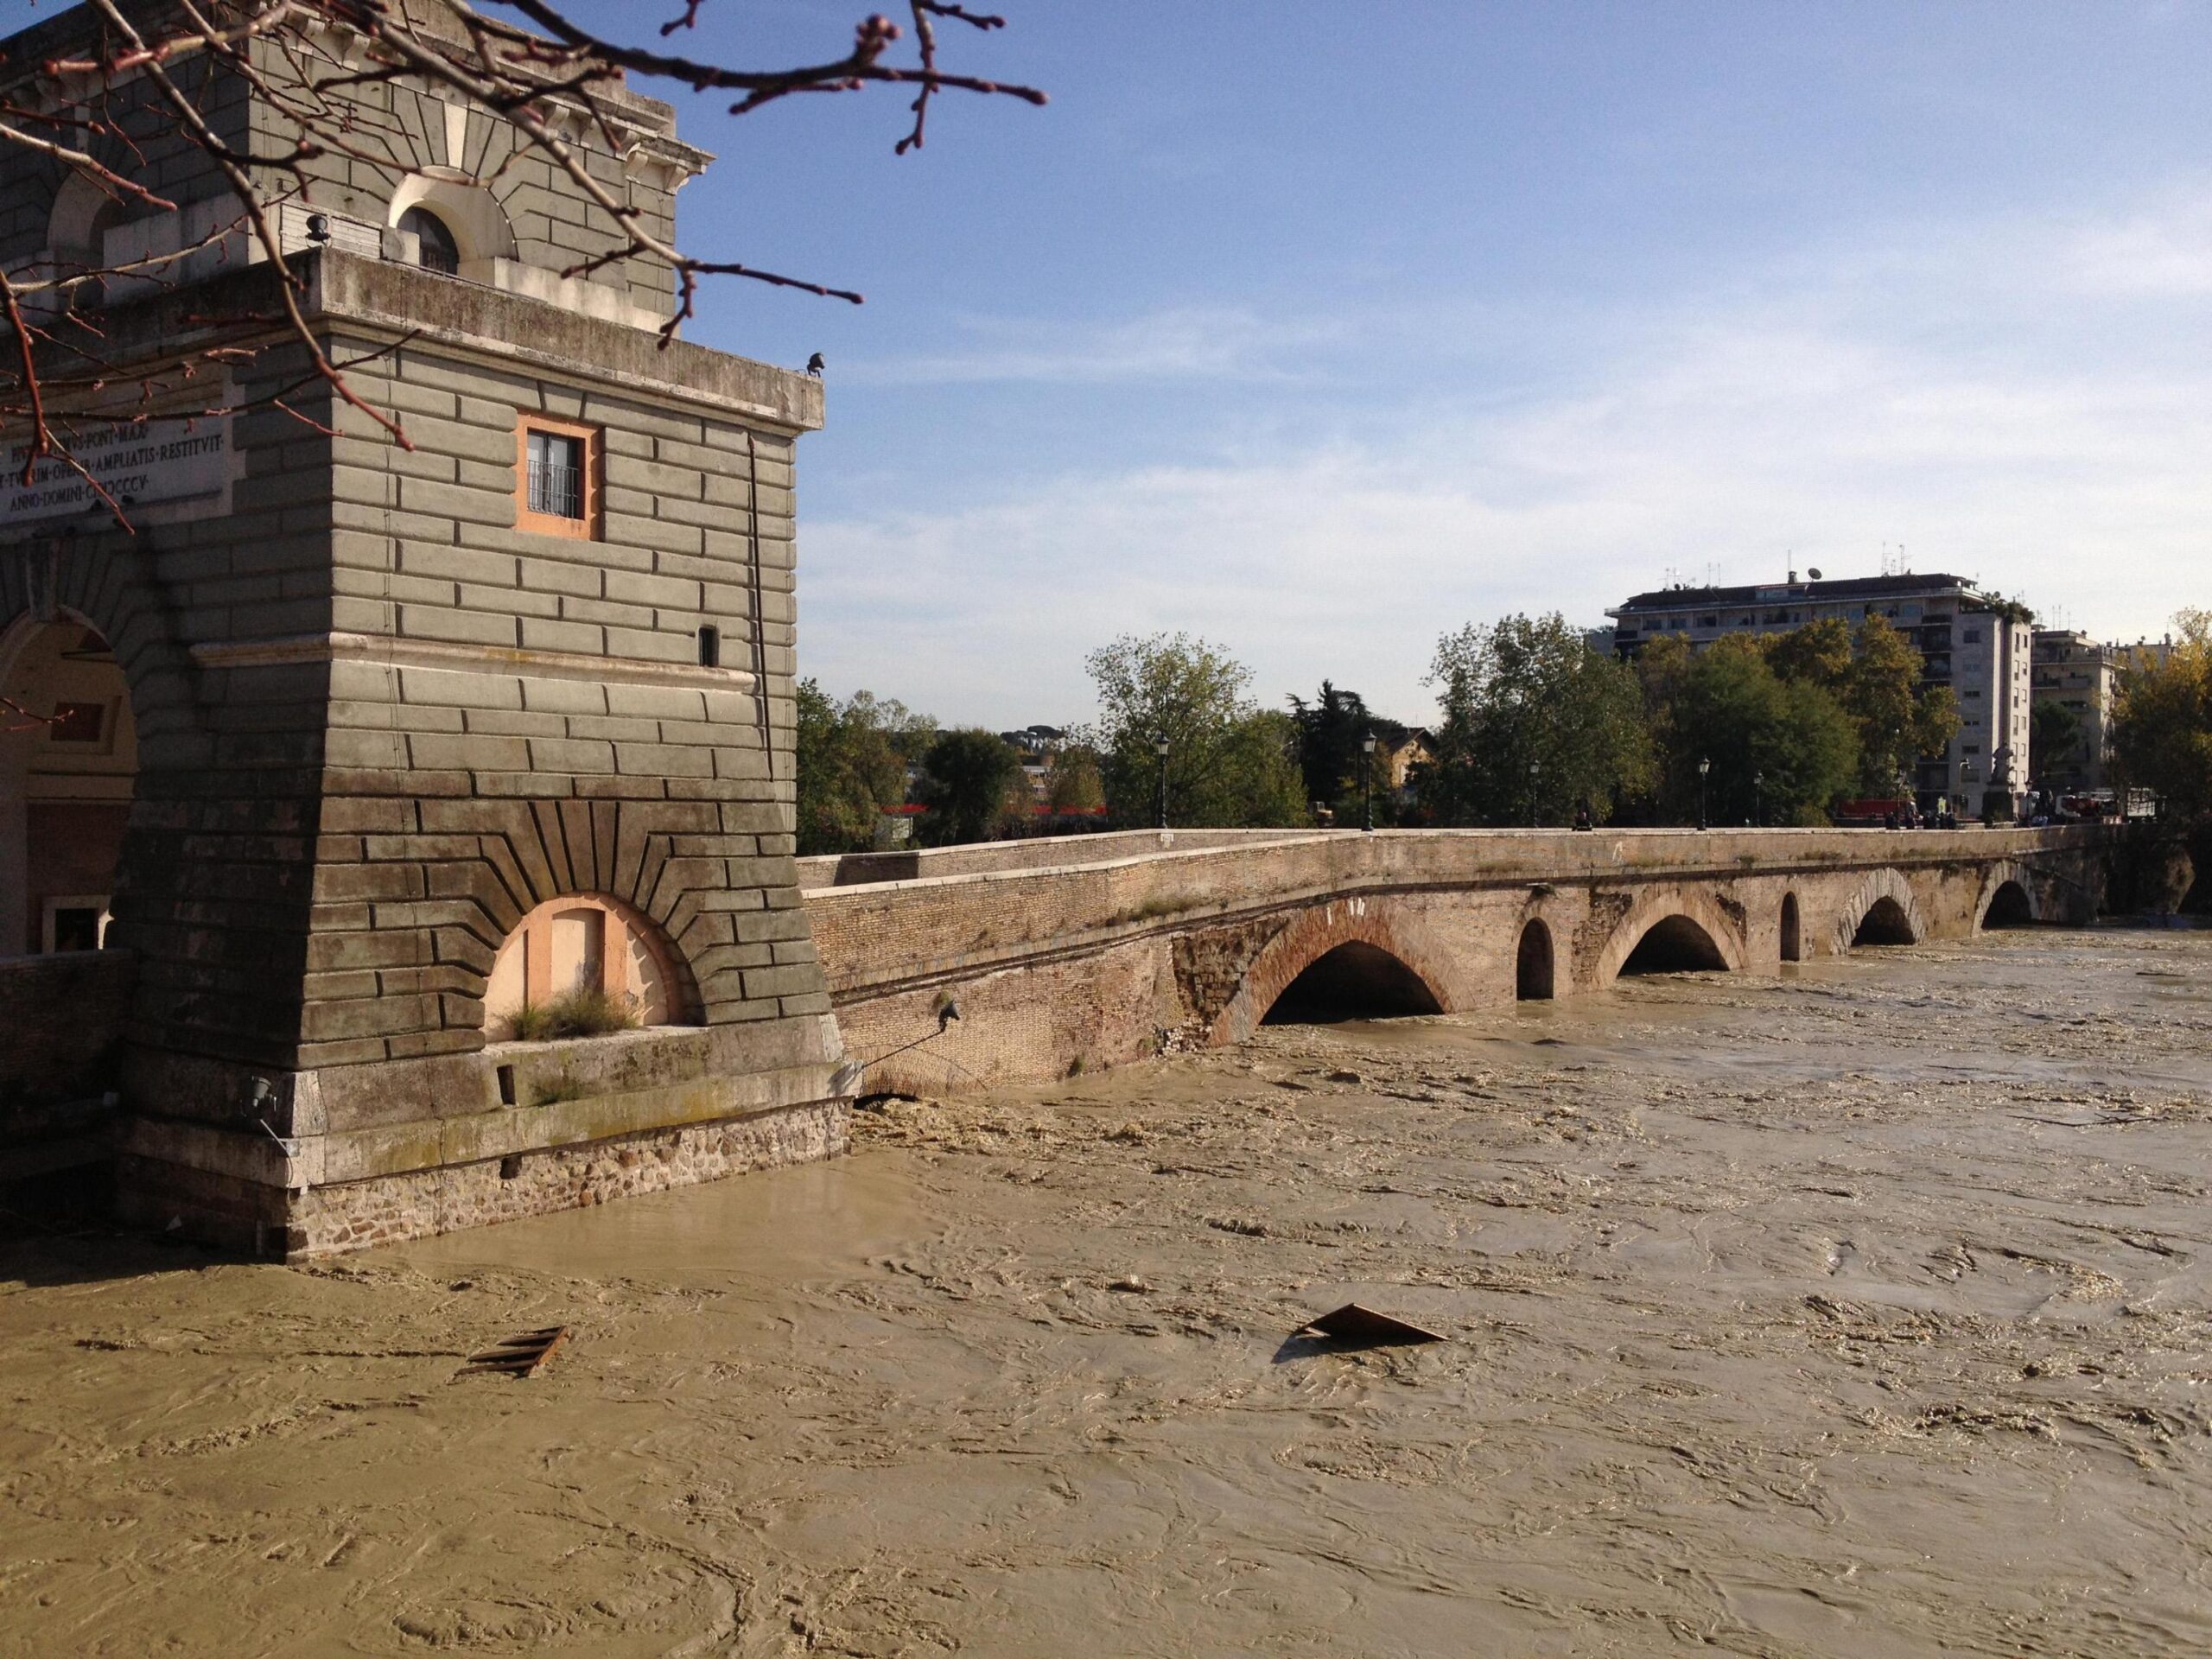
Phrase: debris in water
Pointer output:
(522, 1355)
(1130, 1282)
(1362, 1327)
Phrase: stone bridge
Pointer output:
(1089, 951)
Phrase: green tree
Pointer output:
(2162, 721)
(851, 764)
(1875, 675)
(1229, 763)
(1337, 770)
(2054, 741)
(1778, 747)
(1534, 722)
(969, 777)
(1075, 785)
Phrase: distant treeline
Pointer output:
(1535, 725)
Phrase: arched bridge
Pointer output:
(1090, 952)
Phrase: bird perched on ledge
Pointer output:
(814, 365)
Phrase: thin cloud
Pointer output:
(1185, 344)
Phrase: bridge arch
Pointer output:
(1685, 920)
(1883, 911)
(1363, 930)
(2008, 898)
(1536, 962)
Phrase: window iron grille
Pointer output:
(556, 475)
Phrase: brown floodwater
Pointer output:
(1859, 1312)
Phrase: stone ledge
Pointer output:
(521, 662)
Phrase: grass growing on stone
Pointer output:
(573, 1014)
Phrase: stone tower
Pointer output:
(354, 755)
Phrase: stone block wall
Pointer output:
(140, 137)
(378, 722)
(400, 130)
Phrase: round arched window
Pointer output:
(437, 250)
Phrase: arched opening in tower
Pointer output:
(1885, 923)
(68, 764)
(1532, 968)
(1356, 980)
(2009, 907)
(1674, 945)
(1792, 937)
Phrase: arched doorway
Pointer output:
(1674, 945)
(68, 763)
(1533, 964)
(1885, 923)
(582, 965)
(1355, 980)
(1793, 936)
(2009, 906)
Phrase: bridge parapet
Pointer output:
(1120, 945)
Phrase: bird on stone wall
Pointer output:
(814, 365)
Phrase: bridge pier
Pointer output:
(1108, 949)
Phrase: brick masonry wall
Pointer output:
(65, 1018)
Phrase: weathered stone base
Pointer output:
(269, 1221)
(357, 1214)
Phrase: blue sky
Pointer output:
(1318, 330)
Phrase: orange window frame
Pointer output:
(549, 523)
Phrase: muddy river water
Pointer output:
(1862, 1312)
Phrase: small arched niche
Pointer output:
(1355, 980)
(571, 949)
(2009, 906)
(1674, 945)
(1533, 965)
(1885, 923)
(1793, 929)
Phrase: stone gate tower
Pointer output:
(353, 756)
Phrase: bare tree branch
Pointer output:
(108, 115)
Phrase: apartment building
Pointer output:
(2082, 676)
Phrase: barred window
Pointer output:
(556, 475)
(557, 482)
(436, 249)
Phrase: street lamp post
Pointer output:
(1533, 768)
(1704, 770)
(1759, 798)
(1366, 780)
(1160, 747)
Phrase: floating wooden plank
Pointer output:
(522, 1355)
(1362, 1327)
